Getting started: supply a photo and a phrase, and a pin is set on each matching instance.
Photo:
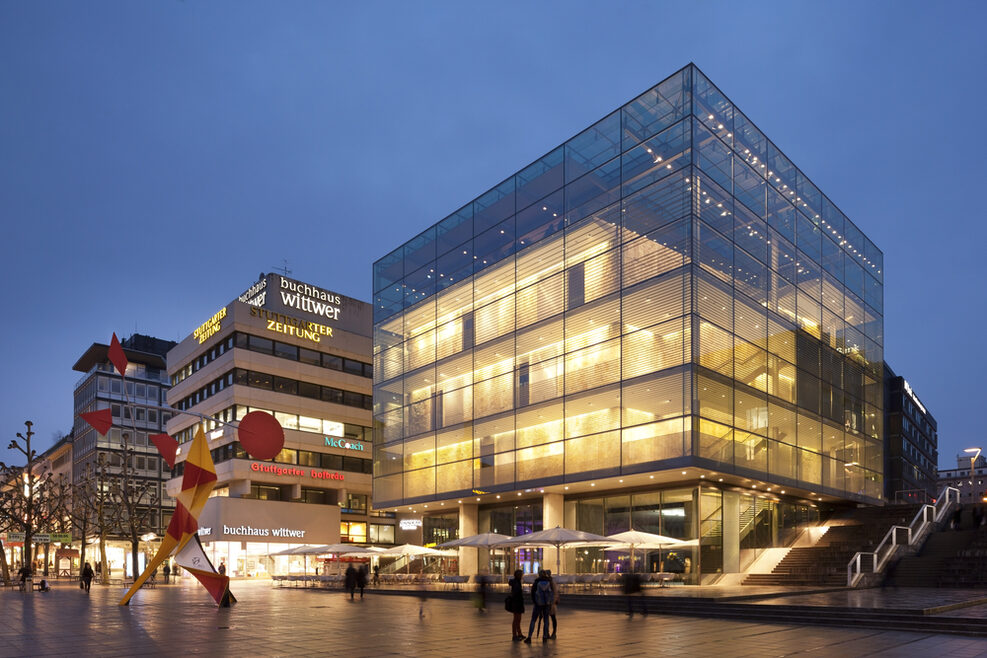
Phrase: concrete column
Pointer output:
(552, 514)
(731, 532)
(239, 488)
(295, 492)
(468, 523)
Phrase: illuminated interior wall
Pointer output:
(664, 285)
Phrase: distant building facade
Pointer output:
(138, 408)
(911, 450)
(970, 479)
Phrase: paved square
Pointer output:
(181, 619)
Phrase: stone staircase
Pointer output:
(825, 563)
(953, 556)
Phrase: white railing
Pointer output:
(899, 535)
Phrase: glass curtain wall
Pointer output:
(664, 288)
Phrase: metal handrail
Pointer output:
(914, 531)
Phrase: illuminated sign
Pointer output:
(250, 531)
(289, 326)
(410, 524)
(256, 294)
(277, 469)
(911, 394)
(309, 299)
(205, 531)
(332, 442)
(210, 326)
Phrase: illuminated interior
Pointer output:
(636, 312)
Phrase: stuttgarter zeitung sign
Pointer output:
(210, 327)
(291, 326)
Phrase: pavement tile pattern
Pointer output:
(182, 619)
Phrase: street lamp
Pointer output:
(975, 452)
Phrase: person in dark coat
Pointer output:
(516, 604)
(361, 579)
(541, 597)
(167, 572)
(349, 580)
(632, 590)
(87, 576)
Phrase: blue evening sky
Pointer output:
(156, 156)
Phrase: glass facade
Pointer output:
(664, 289)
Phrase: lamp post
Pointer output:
(974, 453)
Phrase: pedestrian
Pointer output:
(541, 596)
(361, 579)
(376, 575)
(480, 601)
(515, 604)
(349, 580)
(167, 572)
(632, 590)
(222, 567)
(24, 573)
(554, 605)
(87, 577)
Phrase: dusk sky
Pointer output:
(156, 156)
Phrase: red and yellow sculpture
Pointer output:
(262, 437)
(198, 482)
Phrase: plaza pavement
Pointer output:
(181, 619)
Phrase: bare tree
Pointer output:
(91, 510)
(24, 493)
(136, 497)
(52, 510)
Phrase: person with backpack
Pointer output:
(515, 605)
(554, 605)
(541, 596)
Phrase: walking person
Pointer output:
(376, 575)
(167, 572)
(24, 573)
(541, 596)
(87, 577)
(349, 580)
(361, 579)
(632, 590)
(222, 567)
(515, 604)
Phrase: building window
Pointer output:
(381, 533)
(353, 531)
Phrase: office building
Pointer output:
(911, 451)
(303, 354)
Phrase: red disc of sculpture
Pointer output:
(261, 435)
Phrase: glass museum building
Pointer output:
(662, 324)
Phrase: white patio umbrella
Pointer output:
(304, 550)
(483, 540)
(411, 550)
(634, 539)
(558, 538)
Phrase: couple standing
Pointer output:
(544, 596)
